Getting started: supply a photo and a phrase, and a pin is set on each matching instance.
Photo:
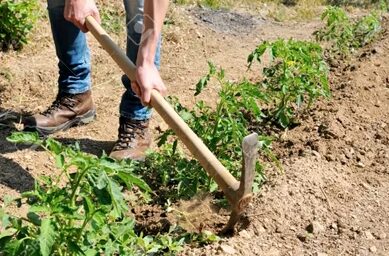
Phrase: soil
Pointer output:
(331, 197)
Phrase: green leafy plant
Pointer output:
(343, 35)
(295, 78)
(82, 211)
(222, 129)
(366, 30)
(338, 30)
(16, 20)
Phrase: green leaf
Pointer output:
(130, 179)
(60, 161)
(202, 84)
(75, 248)
(46, 237)
(54, 146)
(186, 115)
(34, 218)
(24, 137)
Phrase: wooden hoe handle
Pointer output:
(207, 159)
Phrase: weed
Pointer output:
(113, 20)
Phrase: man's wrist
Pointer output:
(147, 49)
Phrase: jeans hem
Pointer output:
(134, 117)
(76, 91)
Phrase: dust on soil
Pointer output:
(332, 197)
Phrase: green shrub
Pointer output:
(16, 20)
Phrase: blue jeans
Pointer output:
(74, 57)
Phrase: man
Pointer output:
(74, 104)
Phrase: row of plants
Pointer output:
(295, 78)
(84, 210)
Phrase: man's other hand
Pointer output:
(148, 79)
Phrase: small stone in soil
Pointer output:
(368, 235)
(380, 236)
(315, 153)
(315, 227)
(244, 234)
(373, 249)
(227, 249)
(302, 237)
(360, 165)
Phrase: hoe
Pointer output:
(238, 193)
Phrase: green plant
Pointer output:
(221, 128)
(338, 30)
(344, 35)
(296, 77)
(80, 212)
(366, 30)
(16, 20)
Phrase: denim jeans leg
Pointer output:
(131, 106)
(72, 51)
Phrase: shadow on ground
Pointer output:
(16, 177)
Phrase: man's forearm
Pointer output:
(154, 11)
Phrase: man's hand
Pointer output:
(77, 10)
(147, 74)
(148, 79)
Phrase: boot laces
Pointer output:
(66, 100)
(128, 131)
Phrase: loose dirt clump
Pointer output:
(199, 214)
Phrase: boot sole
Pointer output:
(84, 119)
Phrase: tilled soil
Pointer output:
(331, 198)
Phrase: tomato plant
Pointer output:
(296, 76)
(344, 35)
(82, 211)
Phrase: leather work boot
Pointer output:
(66, 111)
(133, 140)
